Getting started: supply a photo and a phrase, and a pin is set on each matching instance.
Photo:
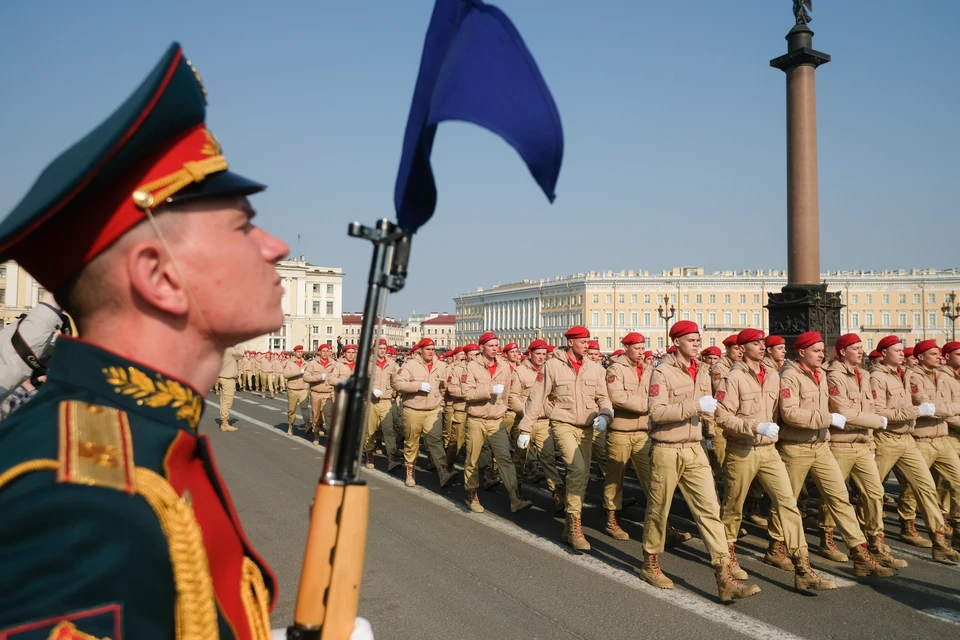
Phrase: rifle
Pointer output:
(333, 563)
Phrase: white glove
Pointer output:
(426, 387)
(323, 377)
(377, 393)
(708, 444)
(361, 631)
(768, 429)
(884, 418)
(927, 409)
(600, 423)
(708, 404)
(302, 369)
(837, 420)
(497, 389)
(523, 440)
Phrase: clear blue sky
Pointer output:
(674, 125)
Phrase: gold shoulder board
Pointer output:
(95, 446)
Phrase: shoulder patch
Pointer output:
(100, 623)
(720, 395)
(463, 378)
(785, 393)
(874, 392)
(834, 390)
(654, 390)
(914, 388)
(449, 378)
(95, 446)
(611, 379)
(717, 376)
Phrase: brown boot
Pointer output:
(947, 527)
(675, 537)
(753, 513)
(650, 572)
(474, 502)
(517, 503)
(865, 565)
(290, 430)
(776, 556)
(728, 587)
(559, 499)
(575, 533)
(805, 578)
(613, 527)
(881, 553)
(735, 567)
(491, 478)
(942, 551)
(451, 455)
(227, 427)
(411, 482)
(828, 549)
(446, 475)
(369, 457)
(908, 534)
(393, 462)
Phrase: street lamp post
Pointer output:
(952, 312)
(666, 315)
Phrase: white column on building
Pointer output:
(13, 285)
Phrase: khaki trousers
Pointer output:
(544, 448)
(718, 453)
(939, 456)
(271, 383)
(298, 397)
(950, 497)
(454, 434)
(321, 405)
(575, 445)
(745, 466)
(902, 451)
(815, 459)
(480, 432)
(281, 382)
(689, 469)
(600, 451)
(857, 460)
(430, 425)
(380, 417)
(624, 448)
(228, 387)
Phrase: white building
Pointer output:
(391, 329)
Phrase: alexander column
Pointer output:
(803, 304)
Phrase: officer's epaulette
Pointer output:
(96, 447)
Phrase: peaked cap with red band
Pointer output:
(153, 150)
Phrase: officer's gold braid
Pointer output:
(256, 600)
(195, 609)
(26, 467)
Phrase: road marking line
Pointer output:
(943, 615)
(690, 602)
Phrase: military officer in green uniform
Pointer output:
(115, 521)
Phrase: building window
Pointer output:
(756, 319)
(646, 319)
(316, 288)
(609, 318)
(727, 318)
(916, 298)
(646, 299)
(916, 320)
(633, 319)
(855, 318)
(903, 318)
(713, 342)
(743, 298)
(870, 344)
(621, 318)
(686, 315)
(713, 317)
(686, 298)
(885, 299)
(316, 307)
(903, 298)
(743, 318)
(315, 329)
(869, 299)
(329, 289)
(932, 319)
(756, 298)
(3, 271)
(596, 318)
(620, 299)
(931, 298)
(633, 299)
(330, 308)
(868, 319)
(713, 298)
(609, 298)
(885, 319)
(855, 299)
(726, 298)
(660, 342)
(3, 296)
(699, 298)
(673, 299)
(700, 317)
(596, 298)
(609, 342)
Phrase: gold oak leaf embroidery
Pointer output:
(157, 393)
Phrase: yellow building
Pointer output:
(906, 303)
(19, 292)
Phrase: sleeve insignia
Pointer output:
(611, 379)
(449, 378)
(874, 392)
(721, 395)
(101, 623)
(463, 378)
(717, 376)
(914, 389)
(95, 446)
(834, 390)
(540, 377)
(784, 393)
(654, 390)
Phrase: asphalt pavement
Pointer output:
(435, 570)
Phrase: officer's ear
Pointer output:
(155, 278)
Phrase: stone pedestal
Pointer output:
(804, 307)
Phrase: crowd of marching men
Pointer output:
(748, 420)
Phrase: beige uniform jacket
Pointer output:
(293, 371)
(277, 365)
(524, 377)
(674, 401)
(932, 386)
(743, 403)
(804, 405)
(343, 370)
(452, 391)
(246, 364)
(258, 363)
(478, 386)
(230, 365)
(567, 396)
(852, 397)
(628, 388)
(891, 400)
(382, 378)
(953, 383)
(408, 382)
(720, 371)
(769, 363)
(321, 376)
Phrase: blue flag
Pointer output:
(475, 68)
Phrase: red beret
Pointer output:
(576, 332)
(711, 351)
(682, 328)
(846, 340)
(537, 344)
(593, 344)
(748, 335)
(672, 349)
(618, 352)
(908, 351)
(551, 348)
(456, 350)
(471, 347)
(773, 341)
(730, 341)
(950, 347)
(632, 338)
(424, 342)
(807, 339)
(392, 351)
(887, 342)
(299, 347)
(487, 337)
(875, 354)
(647, 354)
(382, 341)
(926, 345)
(321, 347)
(511, 347)
(350, 347)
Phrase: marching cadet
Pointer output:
(278, 363)
(454, 435)
(930, 385)
(346, 363)
(297, 390)
(648, 360)
(106, 460)
(710, 356)
(875, 358)
(950, 496)
(379, 415)
(229, 367)
(268, 374)
(806, 418)
(853, 448)
(680, 392)
(246, 372)
(448, 402)
(628, 383)
(511, 357)
(321, 373)
(896, 446)
(599, 452)
(776, 352)
(747, 411)
(259, 362)
(539, 439)
(573, 396)
(909, 357)
(485, 383)
(419, 380)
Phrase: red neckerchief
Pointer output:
(324, 363)
(900, 372)
(640, 370)
(350, 364)
(576, 364)
(300, 362)
(492, 368)
(429, 367)
(381, 363)
(692, 369)
(856, 371)
(761, 374)
(816, 376)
